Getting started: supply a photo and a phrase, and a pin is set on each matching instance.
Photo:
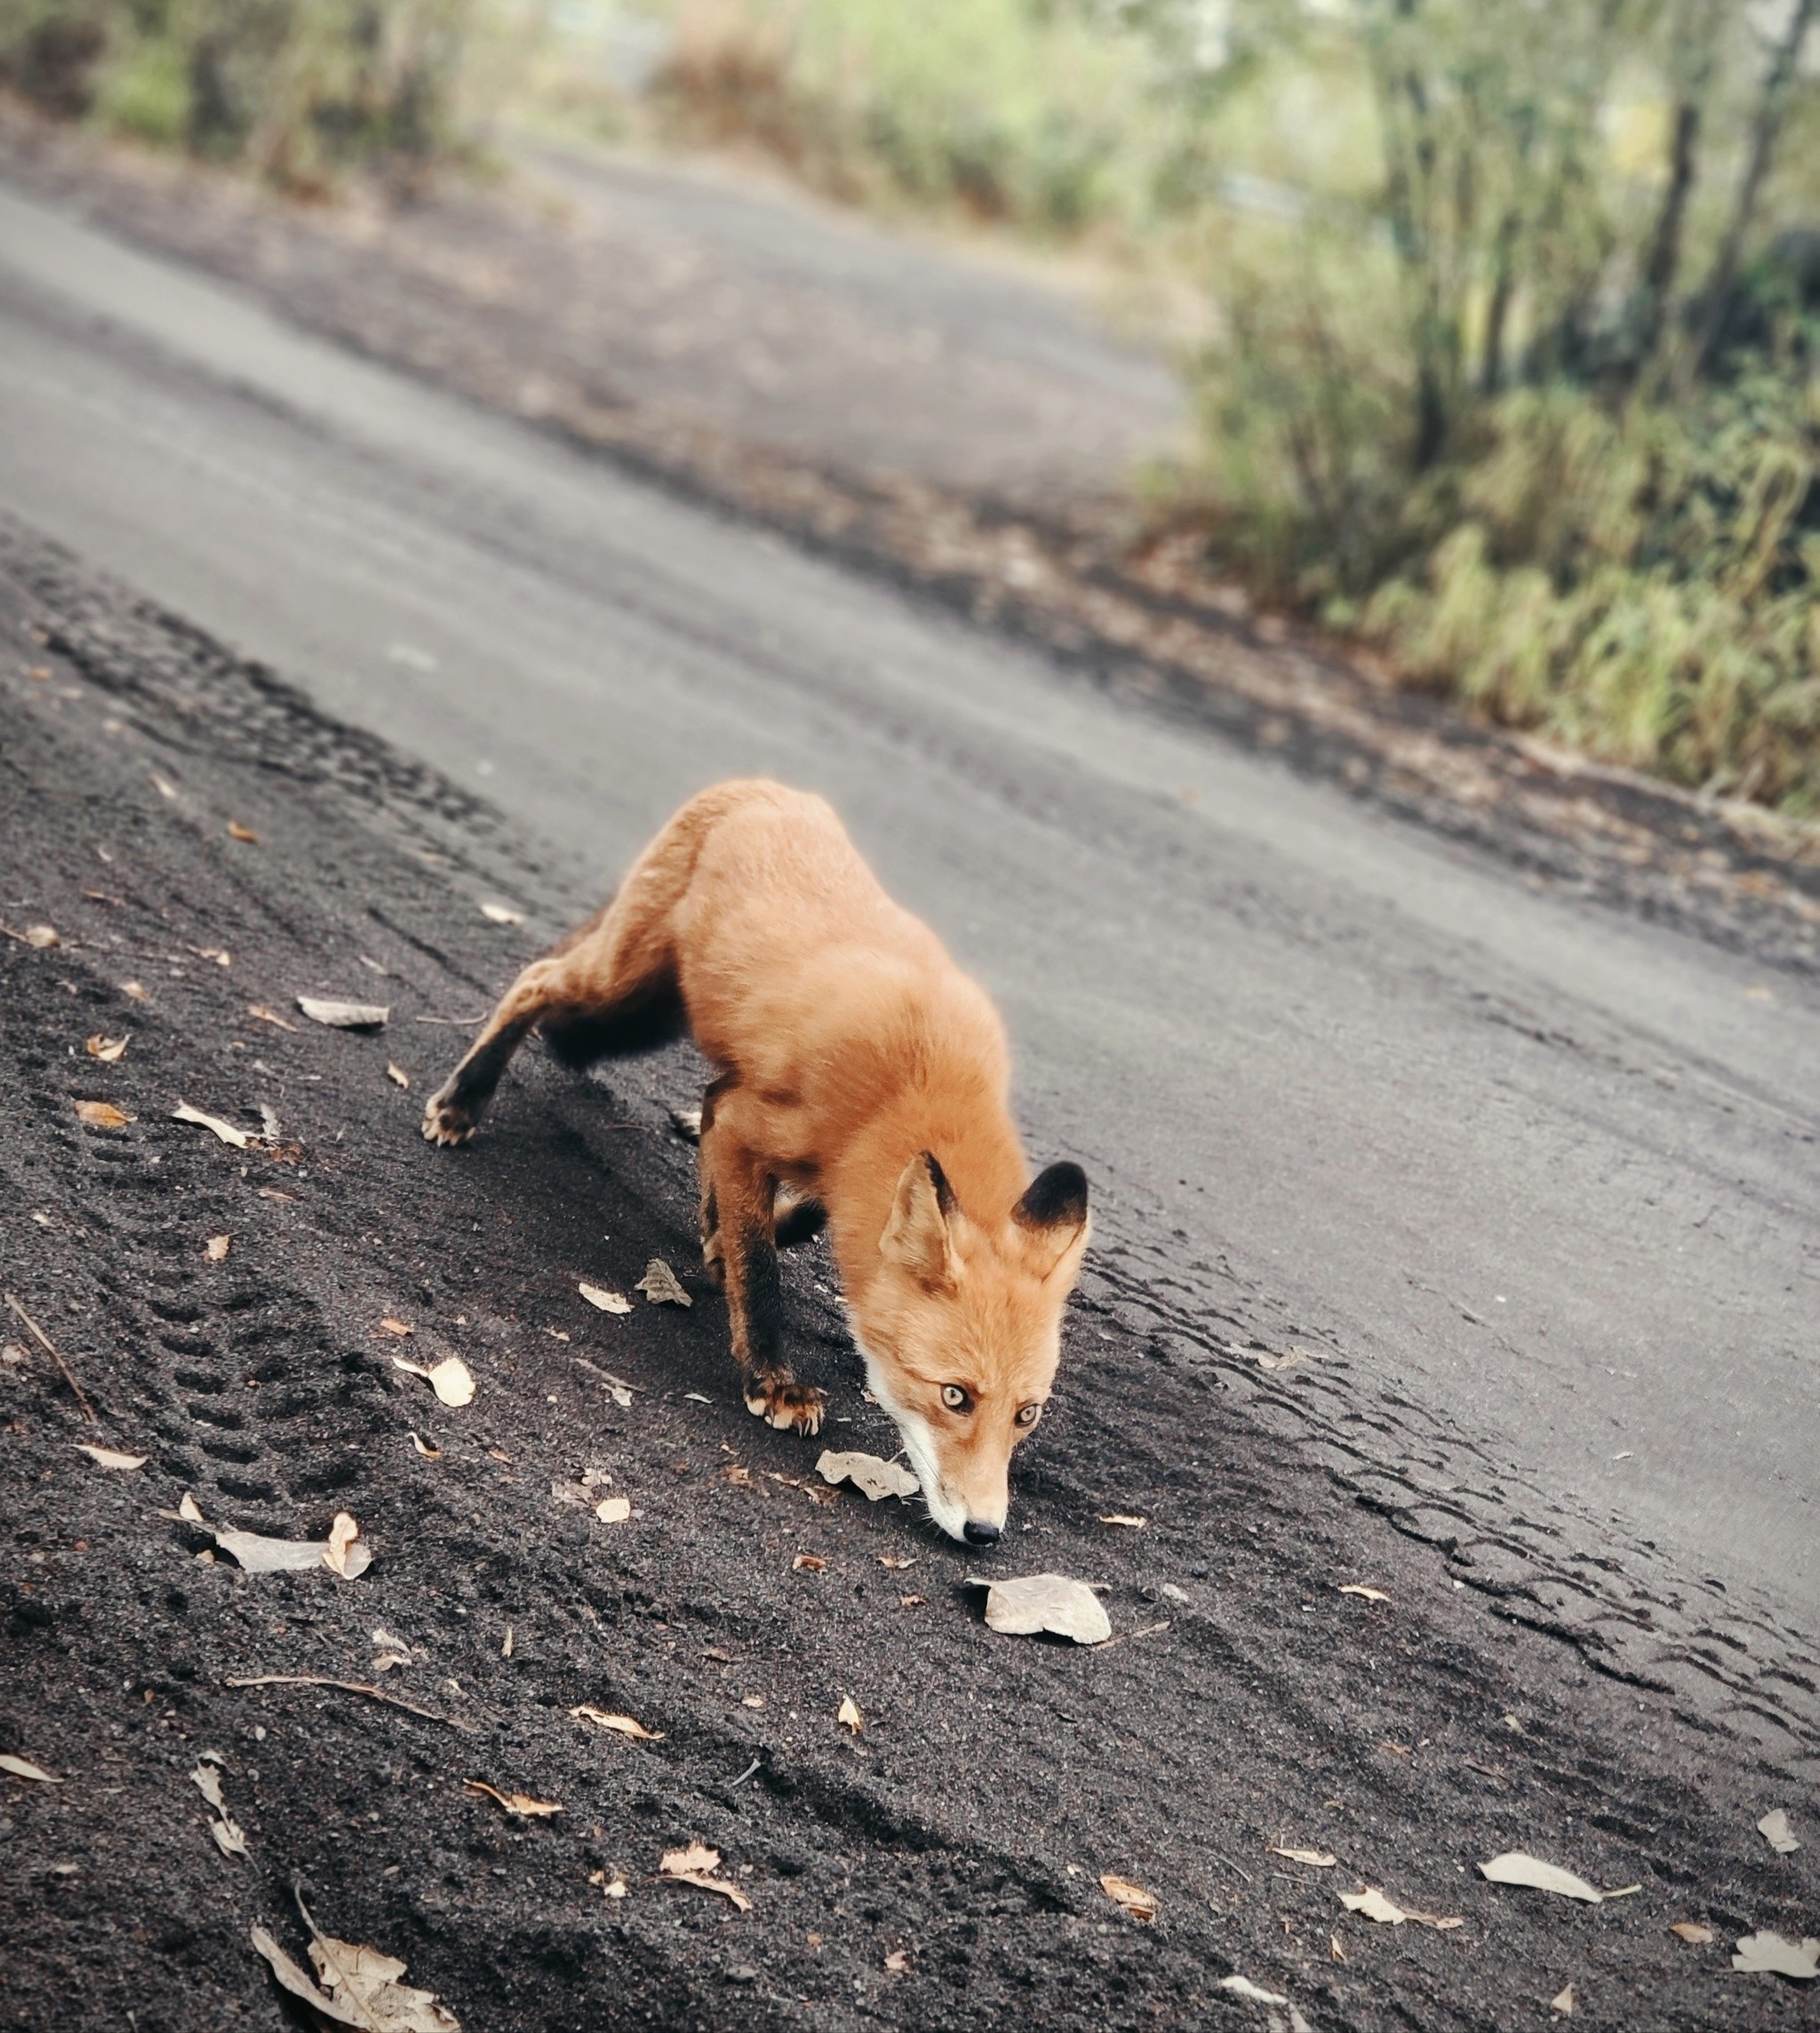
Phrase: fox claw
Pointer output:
(788, 1405)
(446, 1122)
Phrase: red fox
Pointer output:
(862, 1078)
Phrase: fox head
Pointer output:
(960, 1328)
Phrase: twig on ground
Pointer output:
(1149, 1630)
(454, 1023)
(1230, 1865)
(758, 1765)
(49, 1348)
(346, 1687)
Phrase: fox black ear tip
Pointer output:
(1056, 1195)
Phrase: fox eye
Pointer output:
(955, 1398)
(1028, 1414)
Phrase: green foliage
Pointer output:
(299, 90)
(1006, 109)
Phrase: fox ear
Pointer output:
(916, 1236)
(1053, 1214)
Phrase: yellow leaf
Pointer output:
(1140, 1904)
(520, 1803)
(102, 1115)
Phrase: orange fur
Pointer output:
(850, 1052)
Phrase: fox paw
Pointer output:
(448, 1122)
(781, 1401)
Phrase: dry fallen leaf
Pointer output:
(424, 1447)
(613, 1887)
(225, 1131)
(208, 1783)
(235, 831)
(267, 1016)
(346, 1554)
(624, 1724)
(897, 1962)
(659, 1285)
(808, 1564)
(1140, 1904)
(450, 1379)
(1369, 1594)
(1374, 1906)
(873, 1477)
(397, 1074)
(613, 1510)
(189, 1510)
(1034, 1603)
(1563, 2002)
(43, 937)
(1514, 1868)
(608, 1302)
(363, 1987)
(230, 1837)
(397, 1329)
(1130, 1522)
(102, 1115)
(520, 1803)
(216, 1248)
(696, 1866)
(896, 1562)
(1243, 1987)
(688, 1122)
(1775, 1830)
(259, 1555)
(849, 1716)
(501, 914)
(110, 1457)
(1692, 1931)
(23, 1768)
(108, 1050)
(1319, 1858)
(1766, 1951)
(345, 1016)
(134, 992)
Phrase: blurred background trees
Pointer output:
(1504, 347)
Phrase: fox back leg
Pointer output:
(606, 991)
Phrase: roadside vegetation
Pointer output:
(1508, 359)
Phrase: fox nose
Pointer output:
(976, 1533)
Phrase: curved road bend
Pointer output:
(1548, 1172)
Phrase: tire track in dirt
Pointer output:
(994, 1781)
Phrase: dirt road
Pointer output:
(941, 1867)
(1512, 1133)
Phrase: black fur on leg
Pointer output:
(801, 1221)
(622, 1030)
(764, 1303)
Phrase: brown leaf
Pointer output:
(102, 1115)
(347, 1554)
(1130, 1522)
(808, 1564)
(235, 831)
(23, 1768)
(42, 937)
(396, 1074)
(1692, 1931)
(1034, 1603)
(659, 1285)
(266, 1016)
(607, 1301)
(216, 1248)
(110, 1457)
(225, 1131)
(873, 1477)
(345, 1016)
(695, 1865)
(134, 992)
(624, 1724)
(849, 1716)
(363, 1987)
(1141, 1905)
(108, 1050)
(519, 1804)
(398, 1329)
